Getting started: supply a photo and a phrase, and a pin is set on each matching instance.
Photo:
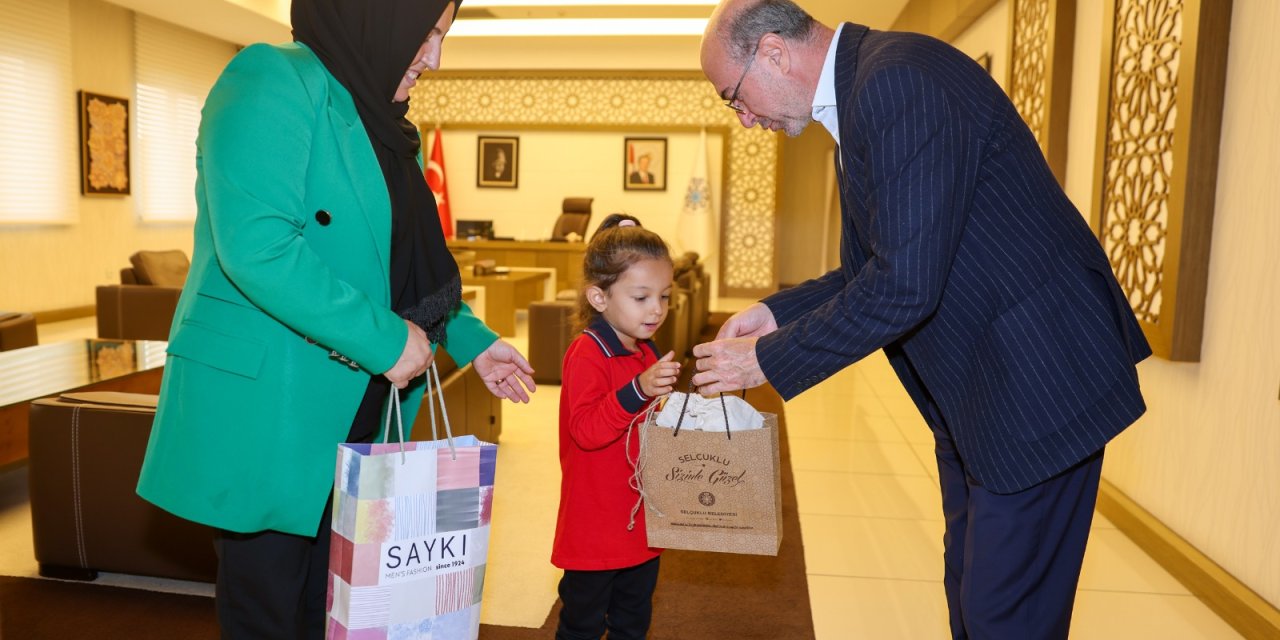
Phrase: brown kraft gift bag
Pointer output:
(712, 490)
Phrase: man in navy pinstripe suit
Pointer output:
(962, 258)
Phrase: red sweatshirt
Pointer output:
(599, 396)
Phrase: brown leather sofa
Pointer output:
(141, 307)
(17, 330)
(86, 452)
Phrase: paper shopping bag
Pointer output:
(707, 491)
(410, 538)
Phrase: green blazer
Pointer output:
(285, 313)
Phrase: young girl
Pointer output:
(612, 372)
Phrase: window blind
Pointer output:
(176, 67)
(39, 161)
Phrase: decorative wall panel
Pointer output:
(1041, 35)
(1160, 115)
(636, 101)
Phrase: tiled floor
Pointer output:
(870, 520)
(870, 517)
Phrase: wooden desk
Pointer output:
(504, 293)
(564, 257)
(133, 366)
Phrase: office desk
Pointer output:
(504, 293)
(133, 366)
(564, 257)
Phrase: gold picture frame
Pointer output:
(498, 161)
(104, 145)
(644, 164)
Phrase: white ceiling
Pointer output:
(247, 21)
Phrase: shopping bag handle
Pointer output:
(675, 432)
(431, 408)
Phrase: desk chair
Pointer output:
(574, 217)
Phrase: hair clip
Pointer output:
(626, 223)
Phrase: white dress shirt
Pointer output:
(824, 99)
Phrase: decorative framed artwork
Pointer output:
(644, 164)
(498, 161)
(104, 145)
(1155, 176)
(1040, 50)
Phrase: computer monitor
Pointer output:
(480, 229)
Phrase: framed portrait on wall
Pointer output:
(498, 161)
(644, 164)
(104, 145)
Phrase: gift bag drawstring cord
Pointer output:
(638, 465)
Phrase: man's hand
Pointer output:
(414, 360)
(505, 372)
(727, 365)
(754, 321)
(660, 378)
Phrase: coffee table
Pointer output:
(133, 366)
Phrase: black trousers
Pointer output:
(1013, 560)
(619, 601)
(273, 585)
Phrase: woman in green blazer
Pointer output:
(319, 279)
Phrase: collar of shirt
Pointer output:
(607, 339)
(824, 99)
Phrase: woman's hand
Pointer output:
(505, 372)
(660, 378)
(414, 360)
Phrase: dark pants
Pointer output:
(273, 585)
(1013, 560)
(620, 601)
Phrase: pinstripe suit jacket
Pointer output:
(964, 260)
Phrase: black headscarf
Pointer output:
(367, 45)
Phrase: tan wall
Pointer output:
(1204, 459)
(53, 267)
(802, 202)
(989, 34)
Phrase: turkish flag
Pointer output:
(439, 187)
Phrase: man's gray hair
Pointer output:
(742, 32)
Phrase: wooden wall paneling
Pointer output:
(1159, 120)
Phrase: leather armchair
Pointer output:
(550, 332)
(691, 278)
(574, 217)
(17, 330)
(142, 306)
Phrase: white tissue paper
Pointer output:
(706, 414)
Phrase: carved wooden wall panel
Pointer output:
(1041, 39)
(1160, 115)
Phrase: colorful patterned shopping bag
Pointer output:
(410, 537)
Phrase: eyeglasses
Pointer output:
(732, 102)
